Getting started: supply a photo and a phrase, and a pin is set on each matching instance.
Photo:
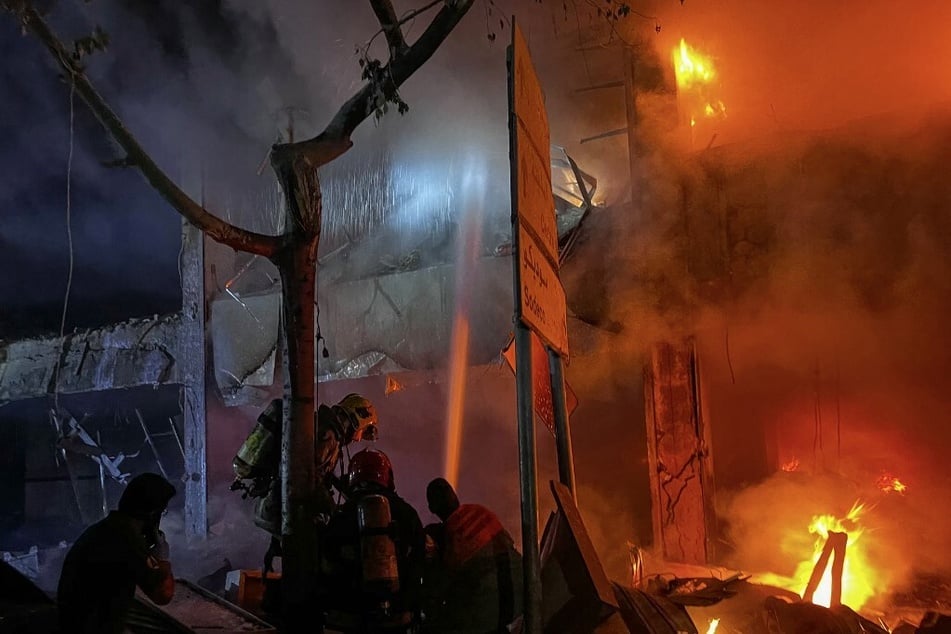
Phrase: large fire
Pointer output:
(858, 576)
(697, 83)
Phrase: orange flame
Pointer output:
(858, 576)
(714, 624)
(887, 483)
(696, 82)
(692, 67)
(791, 465)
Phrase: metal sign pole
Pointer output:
(527, 471)
(531, 562)
(566, 463)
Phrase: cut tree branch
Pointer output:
(219, 230)
(335, 139)
(390, 24)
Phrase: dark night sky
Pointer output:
(202, 89)
(125, 238)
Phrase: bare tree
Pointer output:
(294, 252)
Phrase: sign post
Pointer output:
(539, 302)
(559, 403)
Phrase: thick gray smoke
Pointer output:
(811, 267)
(803, 241)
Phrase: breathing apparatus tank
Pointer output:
(381, 579)
(259, 455)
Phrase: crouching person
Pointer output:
(112, 557)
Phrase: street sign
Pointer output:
(540, 306)
(535, 205)
(541, 383)
(541, 303)
(542, 296)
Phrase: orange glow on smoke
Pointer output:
(858, 576)
(697, 83)
(888, 483)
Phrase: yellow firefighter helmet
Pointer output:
(361, 415)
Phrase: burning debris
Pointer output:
(887, 483)
(791, 465)
(851, 580)
(807, 618)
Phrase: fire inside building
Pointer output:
(277, 385)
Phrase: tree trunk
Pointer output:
(294, 252)
(298, 267)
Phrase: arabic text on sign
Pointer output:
(543, 305)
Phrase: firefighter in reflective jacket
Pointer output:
(258, 460)
(371, 553)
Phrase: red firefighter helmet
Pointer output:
(371, 466)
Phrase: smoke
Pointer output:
(232, 536)
(810, 266)
(804, 263)
(802, 242)
(768, 529)
(846, 62)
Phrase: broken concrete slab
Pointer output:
(129, 354)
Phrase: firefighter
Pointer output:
(371, 553)
(258, 459)
(112, 557)
(473, 581)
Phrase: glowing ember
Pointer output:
(858, 576)
(888, 483)
(792, 465)
(714, 623)
(696, 82)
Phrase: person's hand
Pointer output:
(160, 550)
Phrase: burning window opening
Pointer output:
(697, 83)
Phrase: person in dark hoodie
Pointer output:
(113, 556)
(473, 577)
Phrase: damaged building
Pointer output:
(756, 378)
